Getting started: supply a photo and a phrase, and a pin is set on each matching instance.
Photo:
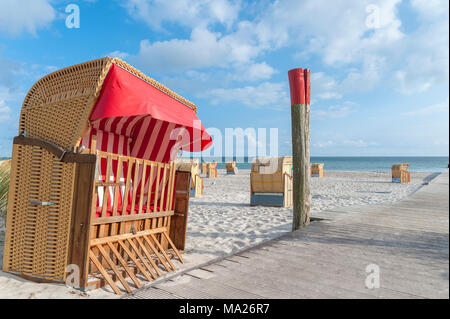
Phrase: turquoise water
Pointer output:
(376, 163)
(417, 164)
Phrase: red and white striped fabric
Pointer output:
(154, 131)
(133, 118)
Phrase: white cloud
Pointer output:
(333, 111)
(8, 70)
(323, 144)
(425, 58)
(358, 143)
(344, 142)
(324, 86)
(431, 9)
(267, 94)
(184, 12)
(5, 112)
(118, 54)
(334, 31)
(203, 49)
(434, 109)
(25, 16)
(253, 72)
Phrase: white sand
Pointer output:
(221, 221)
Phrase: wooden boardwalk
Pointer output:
(408, 241)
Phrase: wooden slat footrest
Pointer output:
(126, 255)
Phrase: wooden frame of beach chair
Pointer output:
(87, 194)
(400, 173)
(271, 182)
(231, 168)
(204, 168)
(192, 166)
(211, 170)
(317, 170)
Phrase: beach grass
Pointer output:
(4, 187)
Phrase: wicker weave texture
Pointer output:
(37, 236)
(317, 169)
(58, 106)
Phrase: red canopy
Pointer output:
(150, 122)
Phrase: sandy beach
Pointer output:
(221, 221)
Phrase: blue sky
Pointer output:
(380, 69)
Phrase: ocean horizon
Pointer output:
(352, 163)
(358, 163)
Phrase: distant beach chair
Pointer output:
(212, 170)
(231, 168)
(204, 168)
(271, 182)
(317, 170)
(400, 173)
(192, 166)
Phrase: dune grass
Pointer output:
(4, 186)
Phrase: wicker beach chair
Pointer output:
(192, 166)
(204, 168)
(231, 168)
(317, 170)
(400, 173)
(271, 182)
(211, 170)
(93, 177)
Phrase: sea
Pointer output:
(372, 163)
(354, 163)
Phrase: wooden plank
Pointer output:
(163, 189)
(99, 241)
(106, 188)
(127, 186)
(141, 197)
(102, 232)
(125, 218)
(160, 221)
(155, 251)
(155, 204)
(149, 257)
(158, 176)
(135, 184)
(171, 185)
(149, 191)
(173, 247)
(113, 267)
(81, 219)
(117, 187)
(141, 257)
(135, 260)
(178, 224)
(163, 252)
(104, 273)
(124, 265)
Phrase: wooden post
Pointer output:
(178, 224)
(81, 219)
(299, 83)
